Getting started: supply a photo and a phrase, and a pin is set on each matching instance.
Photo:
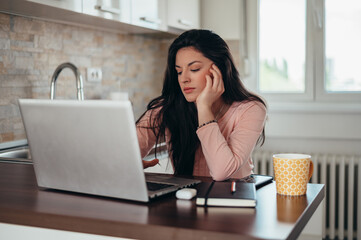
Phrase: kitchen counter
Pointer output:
(23, 203)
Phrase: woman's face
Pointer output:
(192, 68)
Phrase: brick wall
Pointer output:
(30, 51)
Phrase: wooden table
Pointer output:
(275, 217)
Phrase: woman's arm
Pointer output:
(146, 139)
(224, 157)
(146, 135)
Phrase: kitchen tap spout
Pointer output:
(78, 76)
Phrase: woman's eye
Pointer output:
(195, 70)
(179, 73)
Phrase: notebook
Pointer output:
(91, 147)
(221, 194)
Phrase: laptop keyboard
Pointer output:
(152, 186)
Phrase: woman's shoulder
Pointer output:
(245, 106)
(252, 110)
(246, 113)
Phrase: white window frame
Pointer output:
(315, 57)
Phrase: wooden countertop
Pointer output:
(275, 217)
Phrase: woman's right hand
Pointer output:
(151, 163)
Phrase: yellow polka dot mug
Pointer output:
(292, 172)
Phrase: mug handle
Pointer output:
(310, 171)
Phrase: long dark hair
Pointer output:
(180, 117)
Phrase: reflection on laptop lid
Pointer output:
(90, 147)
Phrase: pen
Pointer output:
(233, 186)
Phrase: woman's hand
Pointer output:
(214, 88)
(211, 93)
(151, 163)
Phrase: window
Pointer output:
(343, 46)
(304, 49)
(282, 46)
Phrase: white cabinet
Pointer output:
(167, 18)
(183, 14)
(149, 14)
(73, 5)
(118, 10)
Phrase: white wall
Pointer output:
(222, 17)
(318, 128)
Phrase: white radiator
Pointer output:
(341, 175)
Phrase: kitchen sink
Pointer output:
(16, 155)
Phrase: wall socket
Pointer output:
(94, 74)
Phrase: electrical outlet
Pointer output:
(94, 74)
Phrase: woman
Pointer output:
(209, 121)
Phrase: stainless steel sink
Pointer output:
(16, 155)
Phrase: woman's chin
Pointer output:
(189, 99)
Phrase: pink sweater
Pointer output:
(226, 146)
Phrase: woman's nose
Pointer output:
(185, 77)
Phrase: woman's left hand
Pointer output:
(151, 163)
(214, 88)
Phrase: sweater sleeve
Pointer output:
(146, 136)
(225, 157)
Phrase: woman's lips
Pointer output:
(188, 89)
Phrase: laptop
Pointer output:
(91, 147)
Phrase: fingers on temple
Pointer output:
(209, 81)
(218, 81)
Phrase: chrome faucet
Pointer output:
(79, 80)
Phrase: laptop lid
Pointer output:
(85, 146)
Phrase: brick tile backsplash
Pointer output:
(31, 49)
